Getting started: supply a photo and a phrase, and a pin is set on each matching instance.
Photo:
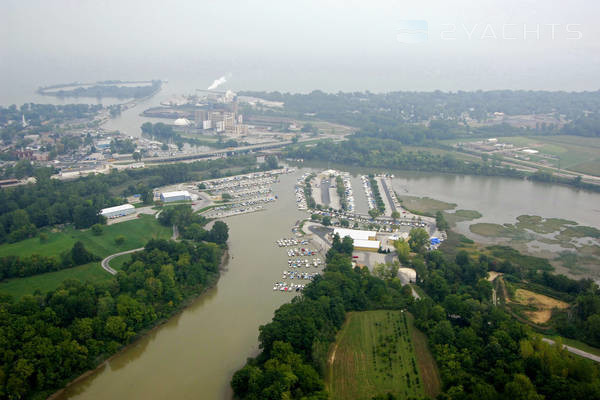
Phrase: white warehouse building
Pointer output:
(181, 195)
(355, 234)
(368, 245)
(117, 211)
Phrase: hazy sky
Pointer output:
(302, 45)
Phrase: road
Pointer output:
(574, 350)
(106, 262)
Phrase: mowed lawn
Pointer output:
(380, 352)
(20, 287)
(91, 272)
(576, 153)
(136, 232)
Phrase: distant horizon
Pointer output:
(335, 45)
(39, 99)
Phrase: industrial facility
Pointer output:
(182, 195)
(117, 211)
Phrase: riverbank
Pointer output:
(209, 340)
(147, 331)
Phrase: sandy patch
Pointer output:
(492, 275)
(543, 304)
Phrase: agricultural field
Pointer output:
(380, 352)
(136, 232)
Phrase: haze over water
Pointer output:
(299, 47)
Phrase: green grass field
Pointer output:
(425, 205)
(574, 153)
(136, 232)
(380, 352)
(20, 287)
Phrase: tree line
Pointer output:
(357, 108)
(27, 208)
(48, 339)
(482, 352)
(19, 267)
(390, 154)
(191, 226)
(108, 89)
(294, 344)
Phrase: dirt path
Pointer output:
(332, 357)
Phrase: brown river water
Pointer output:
(194, 355)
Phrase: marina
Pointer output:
(299, 190)
(240, 194)
(298, 257)
(246, 288)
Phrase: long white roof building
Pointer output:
(116, 210)
(355, 234)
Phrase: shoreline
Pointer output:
(184, 305)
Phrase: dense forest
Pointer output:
(482, 352)
(48, 339)
(26, 208)
(294, 345)
(361, 109)
(390, 154)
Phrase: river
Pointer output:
(194, 354)
(501, 200)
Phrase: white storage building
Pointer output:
(117, 211)
(355, 234)
(369, 245)
(181, 195)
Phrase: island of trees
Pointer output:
(116, 89)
